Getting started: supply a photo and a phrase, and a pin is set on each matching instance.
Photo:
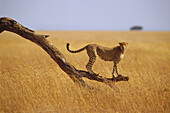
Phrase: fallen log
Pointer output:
(76, 75)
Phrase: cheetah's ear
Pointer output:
(120, 43)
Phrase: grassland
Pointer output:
(31, 82)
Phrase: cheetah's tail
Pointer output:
(77, 51)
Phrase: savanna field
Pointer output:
(31, 82)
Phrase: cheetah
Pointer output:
(114, 54)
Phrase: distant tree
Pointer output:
(138, 28)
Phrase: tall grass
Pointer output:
(31, 82)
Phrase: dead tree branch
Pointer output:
(76, 75)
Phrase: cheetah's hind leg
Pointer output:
(90, 64)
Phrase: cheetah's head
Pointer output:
(123, 45)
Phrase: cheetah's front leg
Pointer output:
(114, 68)
(113, 72)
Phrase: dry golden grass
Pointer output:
(31, 82)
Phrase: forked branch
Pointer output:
(76, 75)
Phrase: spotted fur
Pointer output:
(114, 54)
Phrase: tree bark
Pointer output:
(76, 75)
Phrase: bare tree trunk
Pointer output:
(76, 75)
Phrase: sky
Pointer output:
(153, 15)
